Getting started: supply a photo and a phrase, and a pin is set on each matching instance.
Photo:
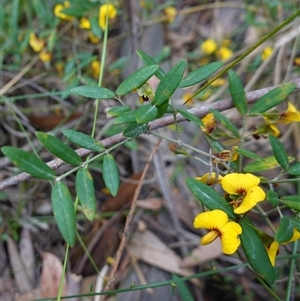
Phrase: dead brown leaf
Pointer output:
(202, 253)
(148, 247)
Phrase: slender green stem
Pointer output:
(291, 273)
(241, 57)
(87, 253)
(63, 274)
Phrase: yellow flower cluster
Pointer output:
(267, 52)
(244, 193)
(210, 46)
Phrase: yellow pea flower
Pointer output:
(244, 191)
(290, 115)
(218, 224)
(209, 123)
(224, 53)
(94, 39)
(209, 46)
(85, 23)
(106, 9)
(273, 249)
(95, 65)
(170, 13)
(266, 53)
(59, 7)
(36, 43)
(45, 56)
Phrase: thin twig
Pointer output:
(199, 111)
(129, 218)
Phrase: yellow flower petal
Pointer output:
(236, 183)
(170, 13)
(230, 237)
(95, 65)
(104, 9)
(215, 219)
(36, 43)
(209, 123)
(45, 56)
(254, 195)
(272, 251)
(57, 11)
(209, 237)
(85, 23)
(224, 53)
(209, 46)
(94, 39)
(290, 115)
(266, 53)
(296, 236)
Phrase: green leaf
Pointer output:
(200, 74)
(237, 92)
(59, 149)
(266, 164)
(83, 140)
(29, 163)
(272, 99)
(291, 201)
(110, 174)
(209, 197)
(294, 169)
(93, 92)
(296, 223)
(127, 117)
(64, 213)
(169, 83)
(162, 109)
(226, 122)
(146, 113)
(136, 80)
(216, 145)
(285, 230)
(279, 152)
(134, 130)
(148, 60)
(248, 154)
(256, 253)
(272, 197)
(191, 117)
(86, 192)
(118, 110)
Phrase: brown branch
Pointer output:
(129, 218)
(199, 111)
